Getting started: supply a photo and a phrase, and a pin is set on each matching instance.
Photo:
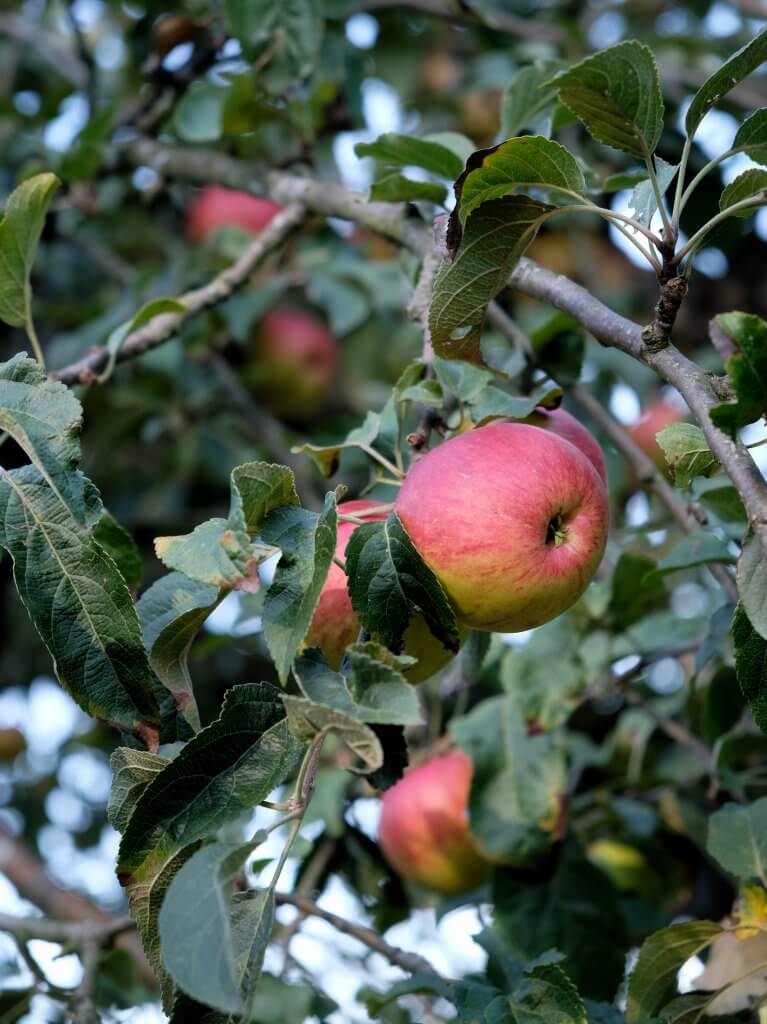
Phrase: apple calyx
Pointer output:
(556, 531)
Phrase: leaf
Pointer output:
(518, 786)
(525, 102)
(289, 34)
(751, 665)
(258, 488)
(308, 543)
(752, 136)
(78, 601)
(747, 370)
(199, 928)
(493, 403)
(20, 230)
(396, 188)
(725, 503)
(687, 453)
(147, 312)
(407, 151)
(547, 996)
(495, 237)
(750, 185)
(412, 387)
(389, 582)
(632, 598)
(642, 200)
(737, 838)
(701, 548)
(616, 94)
(652, 983)
(461, 379)
(199, 113)
(327, 457)
(227, 768)
(574, 910)
(120, 546)
(525, 162)
(725, 78)
(132, 771)
(752, 583)
(171, 613)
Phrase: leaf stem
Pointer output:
(388, 466)
(668, 230)
(679, 193)
(302, 794)
(703, 172)
(34, 340)
(700, 234)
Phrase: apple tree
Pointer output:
(381, 401)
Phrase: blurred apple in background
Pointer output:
(216, 207)
(657, 417)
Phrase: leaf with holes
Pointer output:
(20, 230)
(725, 78)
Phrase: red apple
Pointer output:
(424, 829)
(335, 624)
(216, 207)
(294, 362)
(560, 422)
(657, 417)
(512, 520)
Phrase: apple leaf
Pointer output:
(120, 546)
(495, 237)
(525, 162)
(575, 910)
(750, 185)
(461, 379)
(397, 188)
(747, 370)
(725, 78)
(171, 613)
(546, 993)
(228, 768)
(616, 94)
(525, 103)
(492, 403)
(212, 945)
(752, 136)
(737, 839)
(327, 457)
(643, 201)
(307, 541)
(287, 35)
(20, 230)
(407, 151)
(725, 503)
(752, 583)
(652, 983)
(751, 665)
(519, 782)
(700, 548)
(389, 582)
(132, 771)
(687, 453)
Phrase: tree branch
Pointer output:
(524, 28)
(163, 326)
(48, 45)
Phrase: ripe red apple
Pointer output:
(335, 624)
(217, 207)
(512, 520)
(294, 359)
(657, 417)
(560, 422)
(424, 829)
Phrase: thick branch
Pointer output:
(697, 387)
(163, 326)
(410, 962)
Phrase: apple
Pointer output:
(657, 417)
(294, 361)
(335, 624)
(424, 827)
(216, 207)
(511, 519)
(560, 422)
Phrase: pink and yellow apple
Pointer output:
(216, 207)
(335, 624)
(424, 828)
(511, 519)
(294, 360)
(561, 423)
(657, 417)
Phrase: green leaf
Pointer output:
(389, 582)
(227, 768)
(632, 598)
(327, 457)
(20, 230)
(701, 548)
(652, 983)
(752, 136)
(213, 948)
(121, 548)
(461, 379)
(725, 78)
(525, 102)
(199, 114)
(751, 665)
(495, 237)
(78, 601)
(518, 785)
(171, 613)
(574, 910)
(616, 94)
(737, 838)
(132, 771)
(288, 35)
(397, 188)
(687, 453)
(752, 583)
(308, 543)
(547, 996)
(725, 503)
(643, 201)
(407, 151)
(493, 403)
(750, 185)
(147, 312)
(413, 387)
(526, 162)
(747, 370)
